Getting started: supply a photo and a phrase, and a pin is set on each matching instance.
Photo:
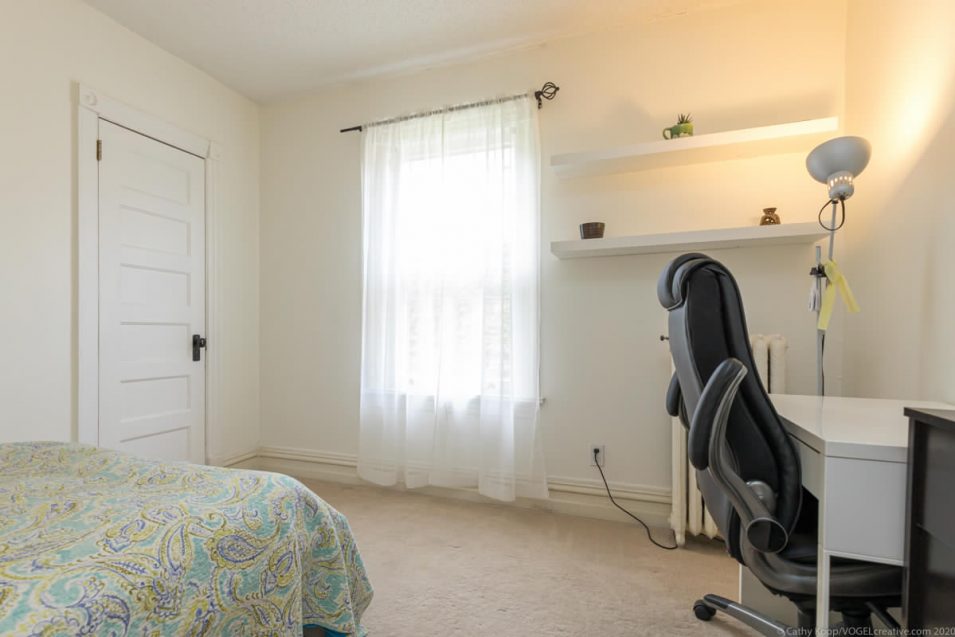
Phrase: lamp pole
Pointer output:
(821, 283)
(820, 334)
(834, 163)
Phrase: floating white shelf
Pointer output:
(736, 144)
(750, 236)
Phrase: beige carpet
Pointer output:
(445, 568)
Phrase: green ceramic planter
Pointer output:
(678, 130)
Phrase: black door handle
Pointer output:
(197, 344)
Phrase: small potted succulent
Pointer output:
(682, 128)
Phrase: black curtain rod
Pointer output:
(546, 92)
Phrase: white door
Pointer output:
(151, 297)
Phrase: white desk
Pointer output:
(853, 453)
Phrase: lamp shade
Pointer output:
(837, 161)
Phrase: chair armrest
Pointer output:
(708, 450)
(674, 401)
(713, 409)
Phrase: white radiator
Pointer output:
(688, 514)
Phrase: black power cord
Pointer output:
(642, 523)
(842, 219)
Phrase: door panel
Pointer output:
(152, 296)
(148, 230)
(174, 445)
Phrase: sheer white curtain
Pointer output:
(450, 350)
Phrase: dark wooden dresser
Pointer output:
(929, 588)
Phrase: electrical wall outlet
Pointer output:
(601, 454)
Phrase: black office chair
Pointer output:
(747, 467)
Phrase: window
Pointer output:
(450, 337)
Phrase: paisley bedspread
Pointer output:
(95, 542)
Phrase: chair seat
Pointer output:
(848, 579)
(802, 549)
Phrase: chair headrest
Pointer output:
(672, 282)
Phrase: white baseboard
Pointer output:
(571, 496)
(238, 461)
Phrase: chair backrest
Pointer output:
(707, 326)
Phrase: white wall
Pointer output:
(604, 369)
(900, 94)
(45, 47)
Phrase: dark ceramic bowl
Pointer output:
(592, 230)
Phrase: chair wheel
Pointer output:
(703, 611)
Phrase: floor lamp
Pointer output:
(835, 163)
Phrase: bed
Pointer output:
(96, 542)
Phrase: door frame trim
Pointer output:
(92, 106)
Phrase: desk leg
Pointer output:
(822, 593)
(822, 562)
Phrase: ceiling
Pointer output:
(267, 49)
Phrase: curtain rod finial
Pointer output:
(546, 92)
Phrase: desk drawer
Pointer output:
(865, 508)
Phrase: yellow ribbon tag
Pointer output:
(837, 281)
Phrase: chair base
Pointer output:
(854, 623)
(707, 607)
